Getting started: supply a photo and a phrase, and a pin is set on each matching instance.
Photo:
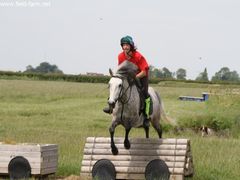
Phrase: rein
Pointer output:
(121, 95)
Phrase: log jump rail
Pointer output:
(147, 158)
(21, 161)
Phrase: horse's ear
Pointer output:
(110, 72)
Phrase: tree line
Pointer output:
(224, 74)
(43, 67)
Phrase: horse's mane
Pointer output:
(127, 69)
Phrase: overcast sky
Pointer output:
(82, 36)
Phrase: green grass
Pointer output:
(216, 158)
(66, 113)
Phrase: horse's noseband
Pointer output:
(122, 93)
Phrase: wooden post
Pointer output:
(43, 158)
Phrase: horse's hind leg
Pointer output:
(111, 131)
(158, 128)
(127, 144)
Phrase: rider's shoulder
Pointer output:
(137, 55)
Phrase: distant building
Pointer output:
(94, 74)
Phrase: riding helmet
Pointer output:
(127, 40)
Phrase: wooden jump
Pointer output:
(130, 164)
(42, 158)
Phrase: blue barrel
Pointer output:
(205, 96)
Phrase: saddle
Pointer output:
(132, 80)
(142, 100)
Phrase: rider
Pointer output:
(131, 54)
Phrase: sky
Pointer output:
(81, 36)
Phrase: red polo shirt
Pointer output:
(137, 59)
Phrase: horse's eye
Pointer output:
(119, 85)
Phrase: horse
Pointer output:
(125, 103)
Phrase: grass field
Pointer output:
(66, 113)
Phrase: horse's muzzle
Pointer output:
(111, 104)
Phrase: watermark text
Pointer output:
(25, 3)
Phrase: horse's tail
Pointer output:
(162, 112)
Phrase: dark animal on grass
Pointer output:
(206, 131)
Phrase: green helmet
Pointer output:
(127, 40)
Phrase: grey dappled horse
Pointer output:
(125, 102)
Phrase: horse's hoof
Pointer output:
(127, 144)
(114, 151)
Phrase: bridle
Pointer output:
(123, 93)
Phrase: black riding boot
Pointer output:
(147, 105)
(146, 121)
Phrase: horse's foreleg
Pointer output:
(127, 144)
(111, 131)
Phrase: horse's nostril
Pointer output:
(111, 104)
